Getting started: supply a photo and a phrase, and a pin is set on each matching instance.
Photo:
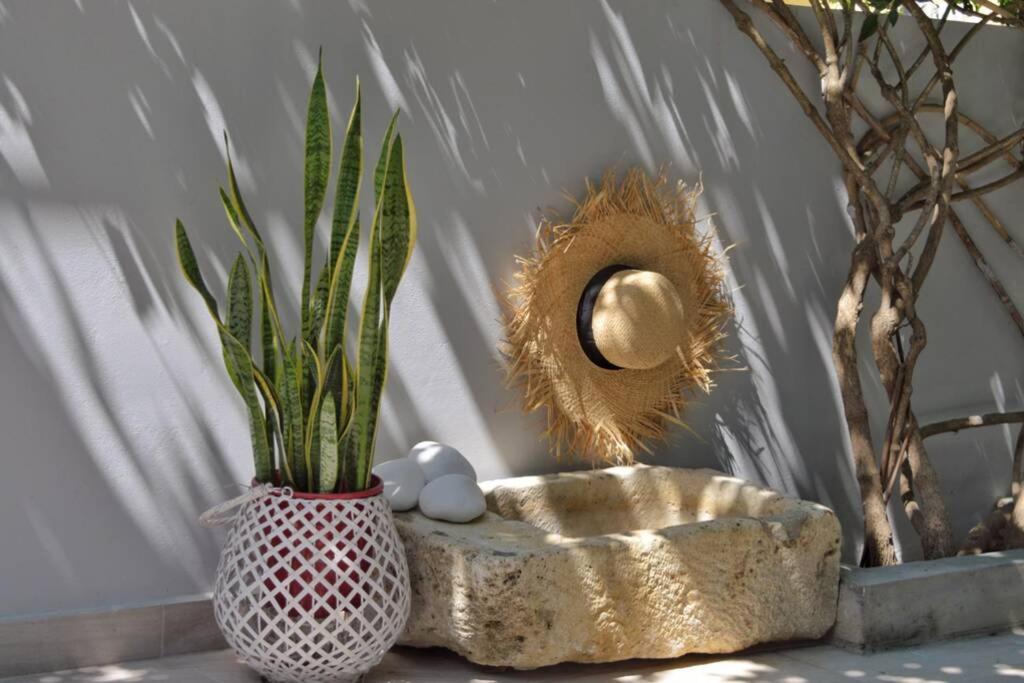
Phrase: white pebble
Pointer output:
(403, 480)
(452, 498)
(438, 459)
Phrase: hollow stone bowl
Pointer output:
(620, 563)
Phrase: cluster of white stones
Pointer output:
(436, 477)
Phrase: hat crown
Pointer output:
(638, 319)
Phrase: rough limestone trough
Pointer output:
(620, 563)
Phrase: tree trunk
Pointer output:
(878, 545)
(927, 510)
(935, 530)
(1015, 526)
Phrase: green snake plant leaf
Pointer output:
(329, 421)
(345, 414)
(271, 334)
(238, 214)
(317, 171)
(239, 313)
(397, 222)
(382, 160)
(379, 379)
(369, 331)
(314, 431)
(393, 242)
(241, 362)
(240, 369)
(350, 180)
(395, 236)
(268, 346)
(318, 306)
(268, 341)
(311, 451)
(355, 434)
(190, 267)
(239, 326)
(272, 405)
(233, 220)
(333, 332)
(290, 394)
(269, 319)
(344, 234)
(328, 445)
(240, 210)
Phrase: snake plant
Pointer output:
(312, 411)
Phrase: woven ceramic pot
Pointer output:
(313, 588)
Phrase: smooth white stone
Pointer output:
(403, 480)
(452, 498)
(438, 459)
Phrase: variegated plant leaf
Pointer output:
(327, 471)
(269, 349)
(369, 330)
(290, 395)
(333, 331)
(239, 313)
(241, 362)
(350, 180)
(275, 420)
(272, 336)
(328, 445)
(235, 222)
(319, 304)
(379, 379)
(317, 170)
(382, 160)
(190, 267)
(240, 210)
(397, 222)
(311, 450)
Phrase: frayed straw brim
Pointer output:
(595, 413)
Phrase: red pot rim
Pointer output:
(376, 489)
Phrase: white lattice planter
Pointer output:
(312, 588)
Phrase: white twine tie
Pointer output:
(225, 513)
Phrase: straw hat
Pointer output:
(616, 315)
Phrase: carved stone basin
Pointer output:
(620, 563)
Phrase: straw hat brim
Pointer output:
(608, 414)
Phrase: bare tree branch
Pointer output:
(971, 421)
(878, 134)
(852, 164)
(984, 156)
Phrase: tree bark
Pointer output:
(878, 545)
(929, 515)
(972, 421)
(935, 530)
(1015, 526)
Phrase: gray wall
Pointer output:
(117, 425)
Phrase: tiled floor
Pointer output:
(991, 659)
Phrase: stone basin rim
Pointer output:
(796, 510)
(533, 539)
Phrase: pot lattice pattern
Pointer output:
(312, 590)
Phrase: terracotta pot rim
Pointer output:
(376, 489)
